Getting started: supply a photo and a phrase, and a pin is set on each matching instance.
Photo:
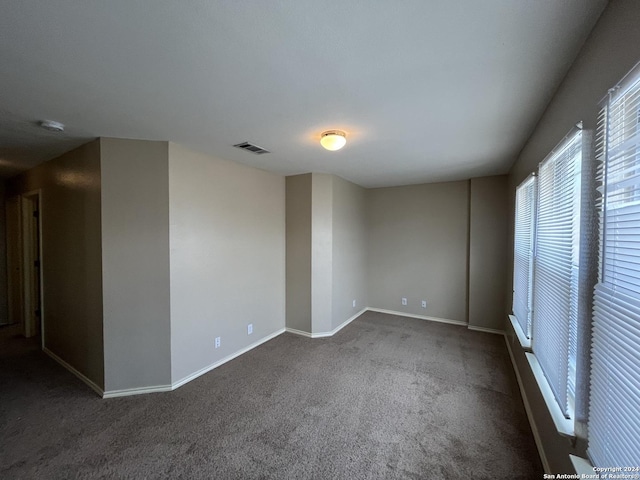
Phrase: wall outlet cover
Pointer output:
(404, 301)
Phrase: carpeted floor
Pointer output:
(387, 397)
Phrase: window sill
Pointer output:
(583, 467)
(524, 341)
(564, 426)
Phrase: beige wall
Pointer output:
(609, 53)
(179, 247)
(326, 252)
(376, 246)
(349, 251)
(418, 248)
(71, 256)
(227, 257)
(321, 252)
(298, 254)
(135, 263)
(488, 259)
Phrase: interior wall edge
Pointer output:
(90, 383)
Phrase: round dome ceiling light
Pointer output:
(52, 125)
(333, 140)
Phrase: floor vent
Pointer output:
(251, 148)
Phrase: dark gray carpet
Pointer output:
(387, 397)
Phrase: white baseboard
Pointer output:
(168, 388)
(136, 391)
(226, 359)
(527, 408)
(339, 327)
(202, 371)
(298, 332)
(420, 317)
(326, 334)
(347, 321)
(82, 377)
(486, 330)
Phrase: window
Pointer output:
(556, 268)
(614, 410)
(523, 256)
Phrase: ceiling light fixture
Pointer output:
(52, 126)
(333, 139)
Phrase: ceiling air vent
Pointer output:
(251, 148)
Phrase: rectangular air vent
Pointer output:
(251, 148)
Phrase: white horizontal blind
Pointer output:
(614, 410)
(555, 288)
(523, 253)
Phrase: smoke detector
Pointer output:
(52, 125)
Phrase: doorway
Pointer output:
(24, 263)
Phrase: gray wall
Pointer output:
(71, 256)
(321, 252)
(488, 260)
(349, 250)
(326, 251)
(298, 254)
(227, 257)
(135, 263)
(418, 248)
(611, 51)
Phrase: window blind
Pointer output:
(523, 253)
(614, 409)
(555, 285)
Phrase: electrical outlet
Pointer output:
(217, 343)
(404, 301)
(250, 329)
(424, 304)
(354, 303)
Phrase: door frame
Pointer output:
(32, 285)
(26, 278)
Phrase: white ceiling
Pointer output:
(427, 90)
